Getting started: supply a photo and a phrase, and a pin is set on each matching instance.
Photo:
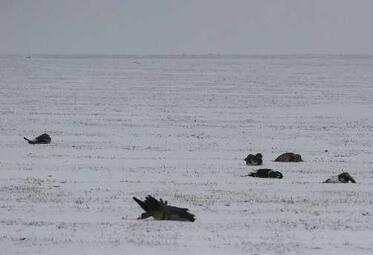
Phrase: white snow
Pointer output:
(178, 128)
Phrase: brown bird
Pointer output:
(41, 139)
(341, 178)
(289, 157)
(159, 210)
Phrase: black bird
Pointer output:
(159, 210)
(266, 173)
(41, 139)
(289, 157)
(341, 178)
(254, 160)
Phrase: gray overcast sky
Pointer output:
(186, 27)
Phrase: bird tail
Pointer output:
(351, 178)
(180, 214)
(189, 216)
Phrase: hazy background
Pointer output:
(186, 27)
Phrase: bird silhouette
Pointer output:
(160, 210)
(341, 178)
(254, 160)
(41, 139)
(266, 173)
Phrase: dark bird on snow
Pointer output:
(41, 139)
(289, 157)
(341, 178)
(254, 160)
(266, 173)
(160, 210)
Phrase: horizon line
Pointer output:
(217, 55)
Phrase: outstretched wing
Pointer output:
(141, 203)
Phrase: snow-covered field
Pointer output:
(178, 128)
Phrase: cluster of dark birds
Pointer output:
(257, 159)
(160, 210)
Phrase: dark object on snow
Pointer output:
(159, 210)
(266, 173)
(254, 160)
(289, 157)
(341, 178)
(41, 139)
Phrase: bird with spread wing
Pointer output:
(160, 210)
